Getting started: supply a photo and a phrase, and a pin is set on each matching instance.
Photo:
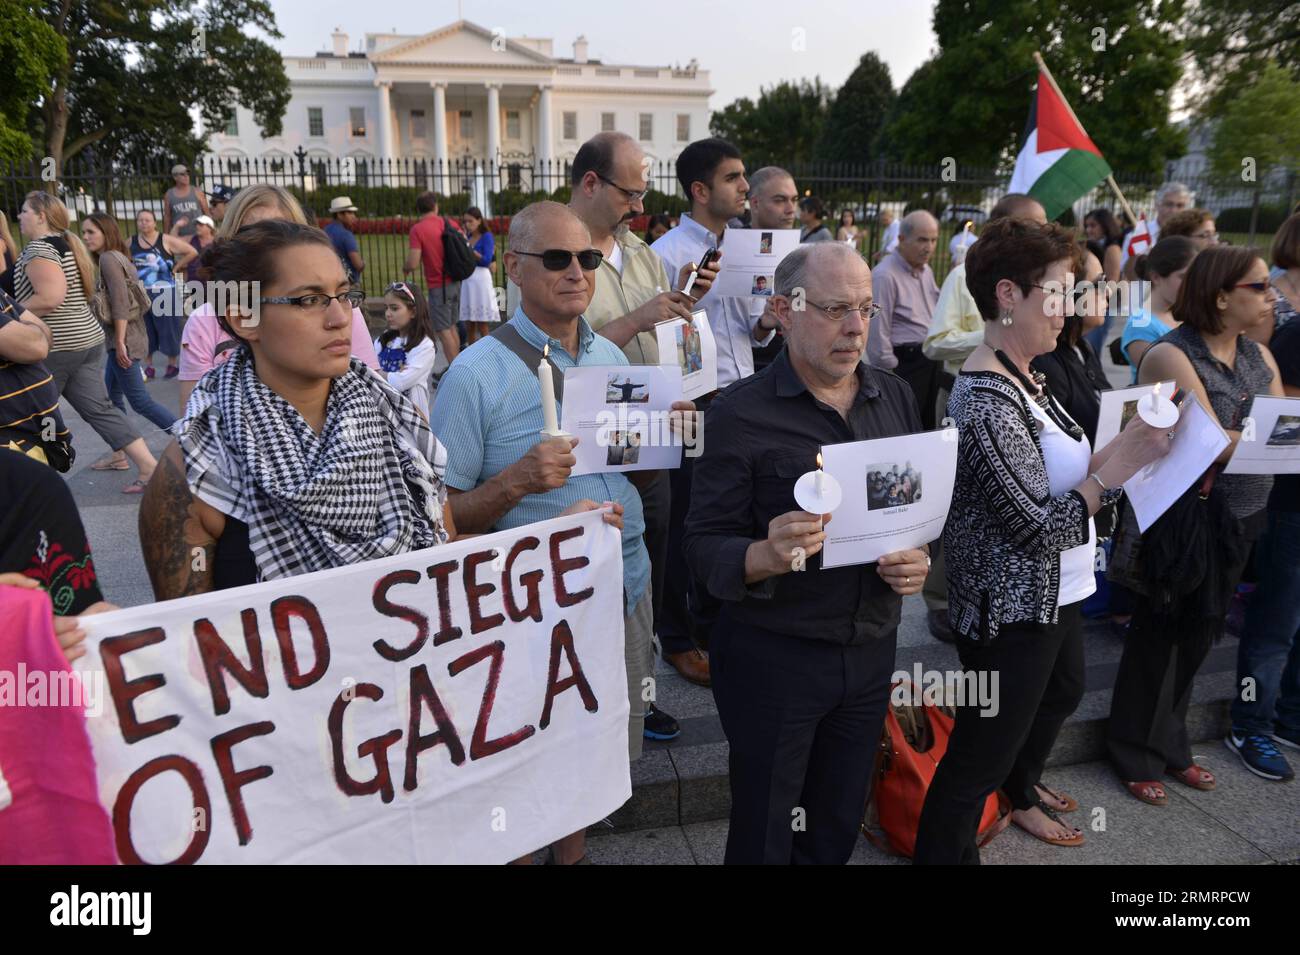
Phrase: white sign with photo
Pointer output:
(620, 415)
(1118, 406)
(1273, 445)
(695, 350)
(749, 260)
(1198, 440)
(897, 492)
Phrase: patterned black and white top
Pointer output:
(73, 326)
(1005, 531)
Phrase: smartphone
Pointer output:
(705, 262)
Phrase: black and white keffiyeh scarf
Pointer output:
(369, 485)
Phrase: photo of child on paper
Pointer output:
(1286, 433)
(762, 285)
(889, 485)
(765, 243)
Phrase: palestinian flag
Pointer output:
(1058, 163)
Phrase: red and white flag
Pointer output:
(1139, 241)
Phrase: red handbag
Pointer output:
(914, 739)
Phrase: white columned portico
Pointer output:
(493, 123)
(440, 125)
(385, 120)
(546, 141)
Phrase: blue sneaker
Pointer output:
(659, 725)
(1260, 756)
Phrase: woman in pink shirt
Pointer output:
(204, 344)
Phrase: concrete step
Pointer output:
(685, 781)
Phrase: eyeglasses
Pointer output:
(317, 301)
(557, 260)
(1257, 286)
(840, 311)
(633, 195)
(401, 288)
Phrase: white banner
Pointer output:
(461, 704)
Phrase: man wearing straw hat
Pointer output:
(341, 231)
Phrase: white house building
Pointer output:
(467, 94)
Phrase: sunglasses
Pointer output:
(1257, 286)
(557, 260)
(401, 288)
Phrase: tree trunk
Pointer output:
(56, 128)
(1254, 216)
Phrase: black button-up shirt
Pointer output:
(760, 435)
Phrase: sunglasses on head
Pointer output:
(557, 260)
(401, 288)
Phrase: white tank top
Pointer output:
(1067, 466)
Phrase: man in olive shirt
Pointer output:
(633, 294)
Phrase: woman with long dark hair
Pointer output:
(478, 301)
(1105, 236)
(405, 349)
(292, 456)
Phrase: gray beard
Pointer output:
(620, 230)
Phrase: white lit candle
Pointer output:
(551, 422)
(1157, 410)
(821, 477)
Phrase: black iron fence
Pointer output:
(385, 193)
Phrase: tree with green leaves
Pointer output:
(136, 69)
(1234, 41)
(1117, 62)
(785, 124)
(31, 52)
(1260, 128)
(858, 112)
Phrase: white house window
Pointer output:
(232, 127)
(357, 114)
(418, 129)
(570, 125)
(513, 178)
(315, 121)
(512, 124)
(466, 125)
(606, 122)
(646, 127)
(683, 127)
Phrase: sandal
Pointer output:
(1147, 792)
(1050, 813)
(110, 463)
(1195, 776)
(136, 487)
(1071, 804)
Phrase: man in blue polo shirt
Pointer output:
(488, 415)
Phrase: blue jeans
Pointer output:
(119, 380)
(1269, 651)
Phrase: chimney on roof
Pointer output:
(580, 49)
(340, 42)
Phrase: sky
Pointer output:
(743, 45)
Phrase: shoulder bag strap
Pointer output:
(529, 354)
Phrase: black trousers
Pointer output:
(803, 720)
(926, 377)
(688, 610)
(1040, 683)
(1147, 730)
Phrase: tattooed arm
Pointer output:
(178, 532)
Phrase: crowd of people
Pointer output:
(303, 442)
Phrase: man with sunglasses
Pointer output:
(801, 656)
(633, 294)
(488, 414)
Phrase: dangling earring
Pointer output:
(1006, 316)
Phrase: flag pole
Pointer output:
(1110, 177)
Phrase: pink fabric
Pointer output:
(202, 335)
(53, 815)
